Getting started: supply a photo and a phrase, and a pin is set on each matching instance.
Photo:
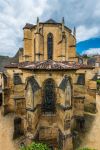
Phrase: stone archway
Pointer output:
(49, 96)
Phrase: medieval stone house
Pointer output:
(48, 90)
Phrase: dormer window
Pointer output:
(50, 46)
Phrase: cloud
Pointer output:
(83, 14)
(14, 14)
(84, 33)
(92, 51)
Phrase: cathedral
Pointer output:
(50, 88)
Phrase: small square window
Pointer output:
(81, 79)
(17, 79)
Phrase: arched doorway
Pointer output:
(49, 96)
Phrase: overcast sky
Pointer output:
(84, 14)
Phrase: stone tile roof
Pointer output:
(50, 21)
(91, 61)
(28, 26)
(12, 65)
(84, 66)
(49, 65)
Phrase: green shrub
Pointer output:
(85, 149)
(35, 146)
(98, 81)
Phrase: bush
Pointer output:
(85, 149)
(98, 81)
(35, 146)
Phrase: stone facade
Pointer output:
(48, 89)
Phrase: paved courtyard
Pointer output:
(6, 130)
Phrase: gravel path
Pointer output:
(6, 132)
(91, 138)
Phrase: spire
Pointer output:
(74, 32)
(37, 24)
(63, 22)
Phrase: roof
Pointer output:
(28, 26)
(91, 61)
(49, 65)
(84, 66)
(50, 21)
(12, 65)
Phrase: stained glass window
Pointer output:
(50, 46)
(49, 96)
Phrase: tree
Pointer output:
(35, 146)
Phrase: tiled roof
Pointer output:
(12, 65)
(84, 66)
(49, 65)
(28, 26)
(50, 21)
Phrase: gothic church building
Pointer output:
(50, 88)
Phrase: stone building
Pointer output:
(48, 90)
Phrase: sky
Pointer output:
(83, 14)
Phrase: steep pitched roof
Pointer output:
(50, 21)
(28, 26)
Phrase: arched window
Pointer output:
(50, 46)
(49, 96)
(68, 95)
(65, 85)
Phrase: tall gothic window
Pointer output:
(49, 96)
(50, 46)
(68, 95)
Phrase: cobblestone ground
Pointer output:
(6, 132)
(91, 138)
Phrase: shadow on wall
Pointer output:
(82, 134)
(0, 99)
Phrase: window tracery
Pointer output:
(50, 46)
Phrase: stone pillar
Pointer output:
(65, 141)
